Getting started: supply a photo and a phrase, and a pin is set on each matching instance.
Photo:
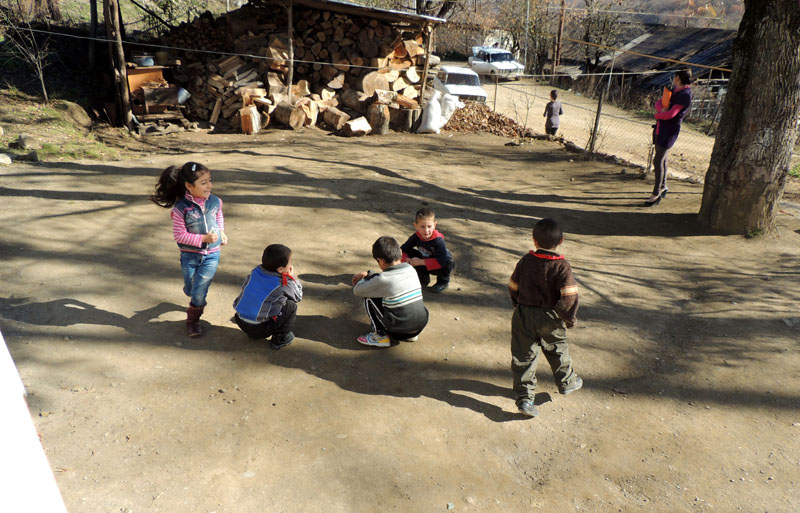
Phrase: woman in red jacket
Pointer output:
(667, 128)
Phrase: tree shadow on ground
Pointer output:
(379, 372)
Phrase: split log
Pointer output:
(412, 77)
(327, 94)
(399, 84)
(400, 51)
(404, 120)
(356, 127)
(276, 83)
(219, 82)
(411, 92)
(262, 102)
(384, 97)
(289, 115)
(278, 98)
(251, 120)
(216, 112)
(406, 102)
(403, 63)
(355, 100)
(327, 104)
(328, 72)
(372, 81)
(413, 48)
(301, 88)
(337, 82)
(340, 61)
(390, 74)
(335, 118)
(311, 111)
(378, 117)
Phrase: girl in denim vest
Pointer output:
(198, 228)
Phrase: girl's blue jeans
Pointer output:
(198, 271)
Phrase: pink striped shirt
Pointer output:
(179, 232)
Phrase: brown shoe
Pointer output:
(193, 314)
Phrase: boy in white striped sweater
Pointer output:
(392, 298)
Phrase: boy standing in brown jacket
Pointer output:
(545, 298)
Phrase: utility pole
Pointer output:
(557, 56)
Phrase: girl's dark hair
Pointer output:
(387, 249)
(274, 256)
(172, 184)
(685, 75)
(554, 94)
(547, 233)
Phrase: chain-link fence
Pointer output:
(625, 133)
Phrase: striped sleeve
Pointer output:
(569, 290)
(567, 305)
(179, 232)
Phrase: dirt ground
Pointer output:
(687, 341)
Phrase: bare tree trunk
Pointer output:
(111, 14)
(750, 160)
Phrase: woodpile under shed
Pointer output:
(346, 68)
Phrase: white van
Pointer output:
(495, 62)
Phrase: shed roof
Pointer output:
(706, 46)
(703, 46)
(346, 7)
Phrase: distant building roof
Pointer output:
(707, 46)
(346, 7)
(703, 46)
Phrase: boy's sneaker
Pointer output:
(281, 341)
(375, 340)
(440, 286)
(527, 408)
(576, 385)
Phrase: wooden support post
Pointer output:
(593, 138)
(290, 75)
(111, 12)
(92, 31)
(428, 43)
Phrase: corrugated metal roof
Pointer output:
(711, 47)
(708, 47)
(346, 7)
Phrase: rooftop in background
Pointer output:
(705, 46)
(345, 7)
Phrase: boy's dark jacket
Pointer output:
(544, 279)
(434, 251)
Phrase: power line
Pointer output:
(300, 61)
(635, 13)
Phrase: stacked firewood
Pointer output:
(344, 63)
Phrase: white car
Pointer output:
(461, 82)
(495, 62)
